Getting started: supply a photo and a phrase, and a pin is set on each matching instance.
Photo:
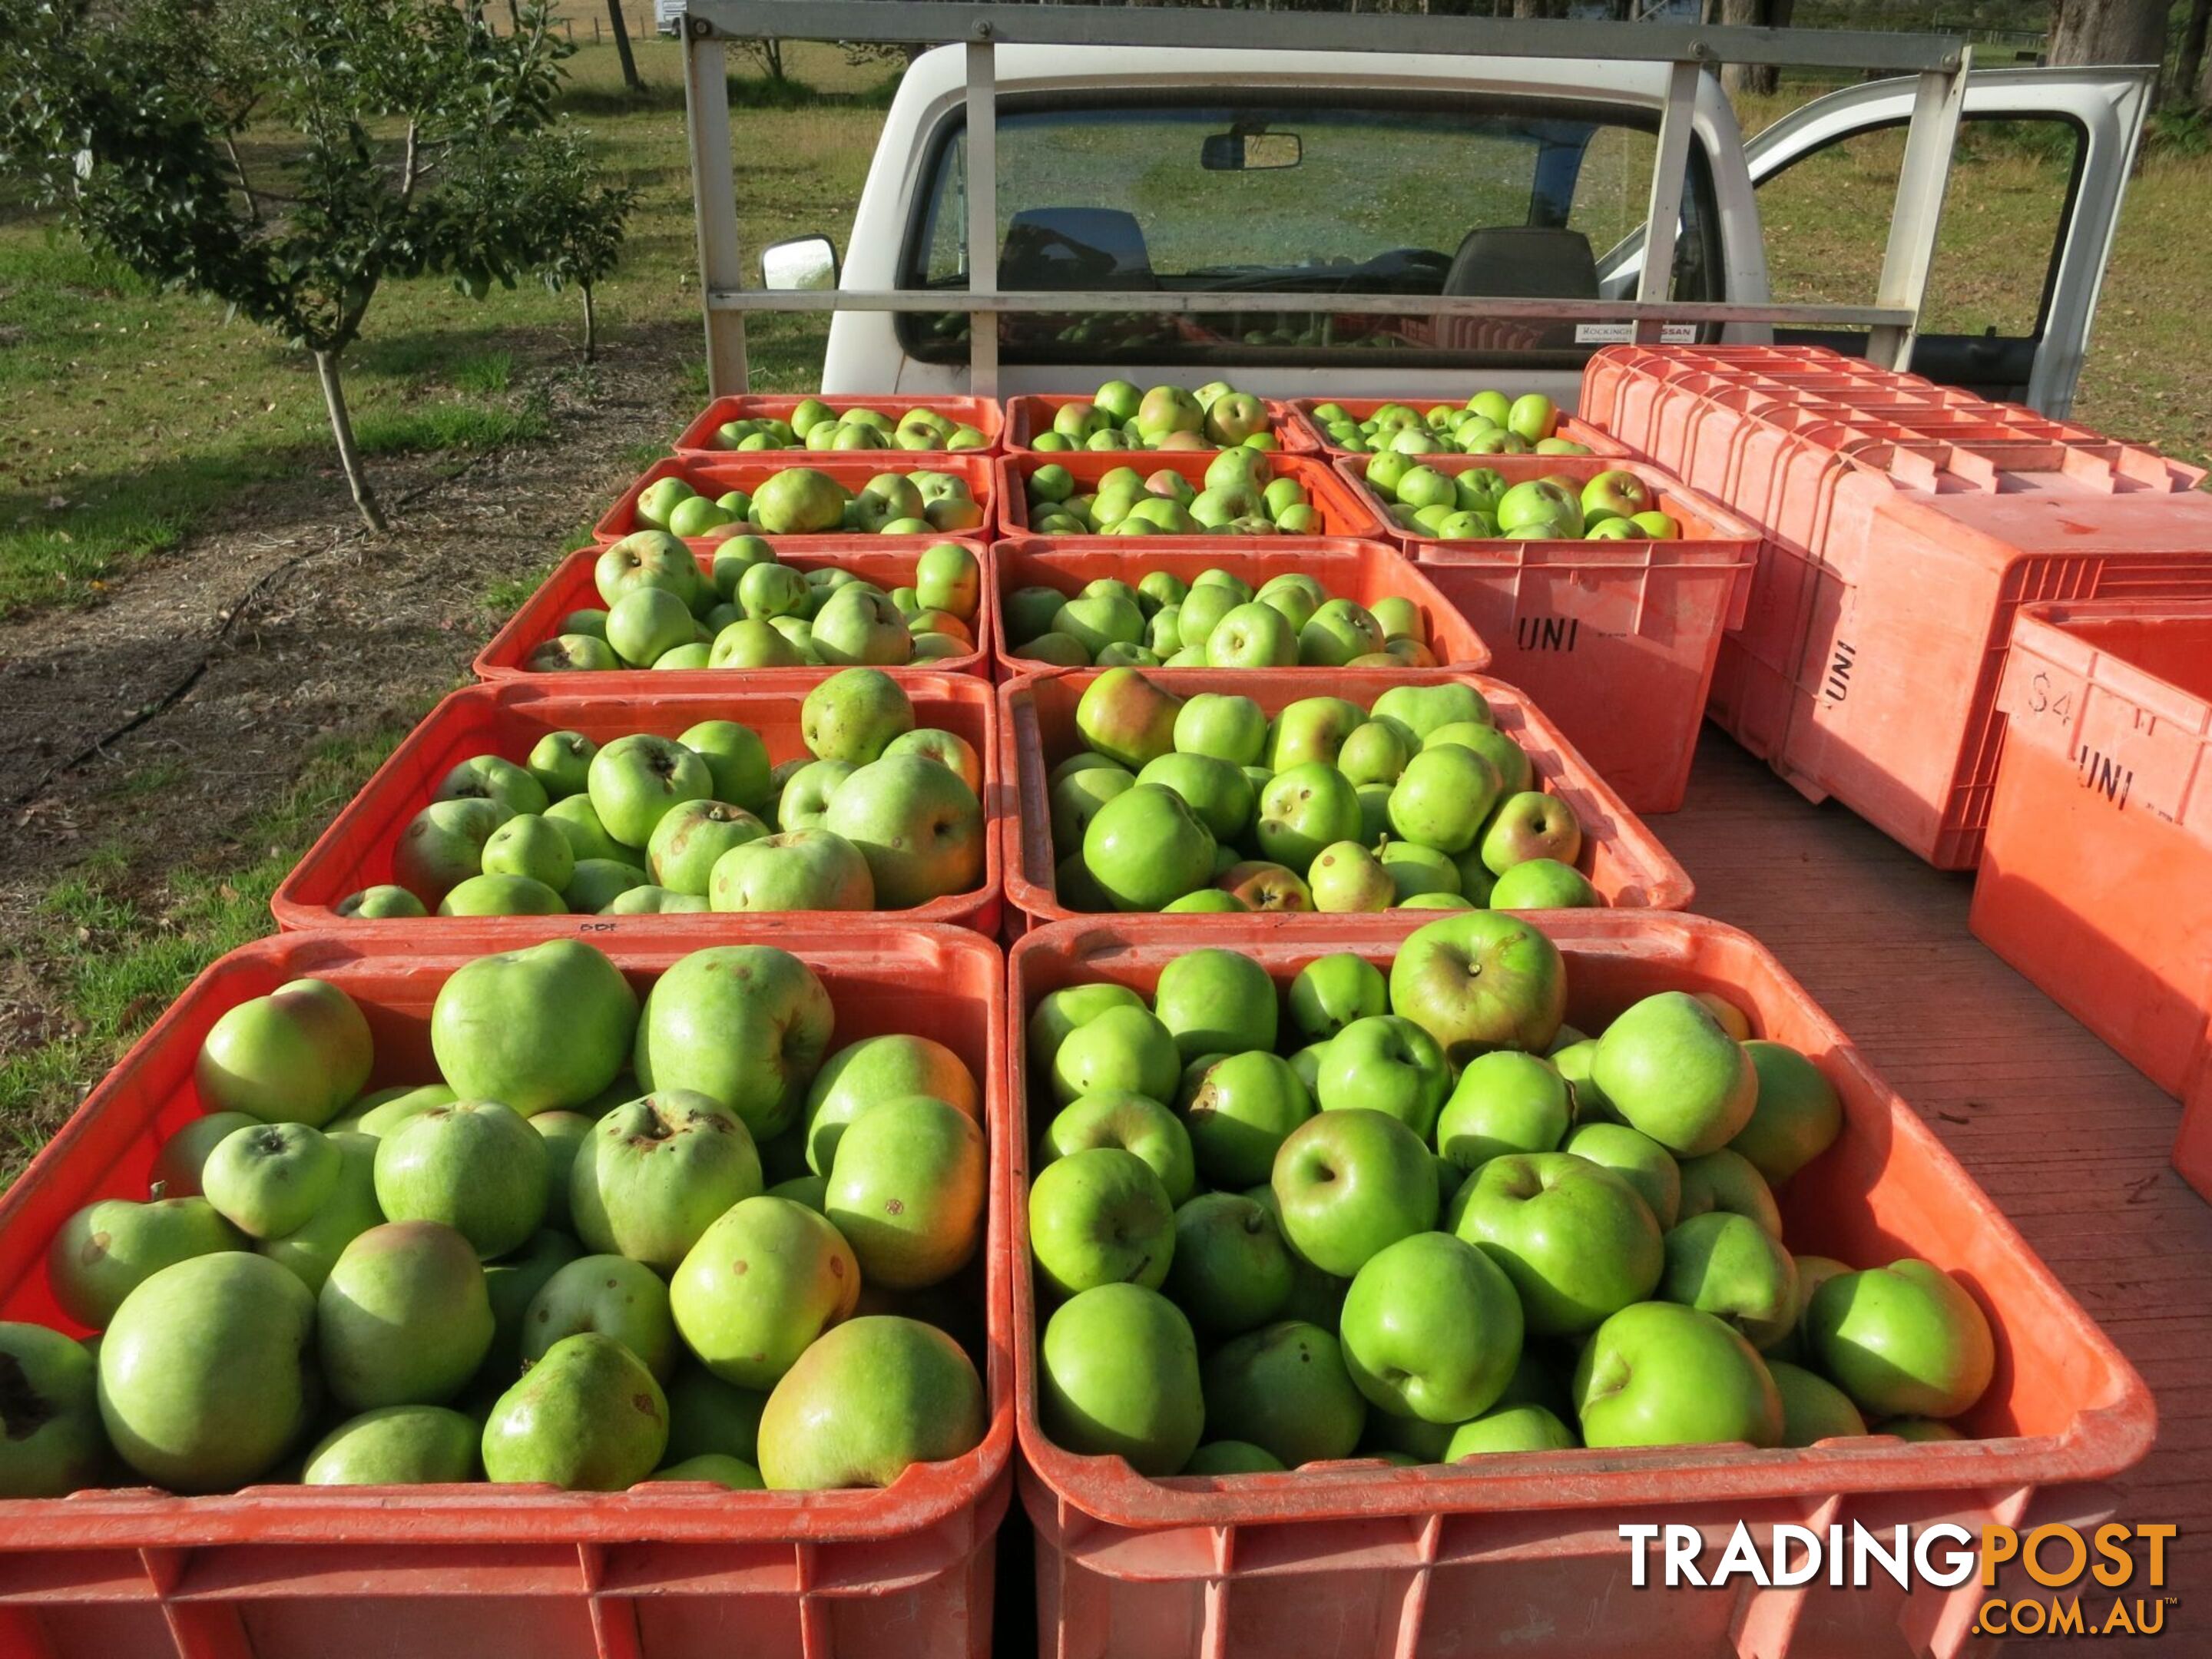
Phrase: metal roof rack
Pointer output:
(1941, 62)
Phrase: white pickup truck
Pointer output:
(1135, 168)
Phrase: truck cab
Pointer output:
(1137, 169)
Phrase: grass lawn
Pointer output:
(129, 417)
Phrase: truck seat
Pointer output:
(1075, 247)
(1524, 262)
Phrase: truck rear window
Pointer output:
(1515, 197)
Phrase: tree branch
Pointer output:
(407, 173)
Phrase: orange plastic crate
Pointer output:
(887, 561)
(2095, 878)
(512, 1573)
(1364, 572)
(1036, 730)
(724, 473)
(507, 720)
(1317, 435)
(1616, 640)
(696, 441)
(1028, 416)
(1516, 1554)
(1344, 512)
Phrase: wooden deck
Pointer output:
(2070, 1139)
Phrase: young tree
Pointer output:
(582, 223)
(631, 78)
(116, 118)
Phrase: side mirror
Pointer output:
(803, 262)
(1250, 152)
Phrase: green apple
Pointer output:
(872, 1398)
(572, 653)
(404, 1318)
(1904, 1341)
(497, 780)
(1349, 1182)
(1659, 1374)
(1100, 1217)
(918, 824)
(1544, 885)
(1145, 847)
(1230, 1271)
(1515, 775)
(1127, 718)
(1797, 1115)
(205, 1375)
(1729, 1266)
(655, 1172)
(560, 761)
(1219, 793)
(1636, 1158)
(475, 1166)
(1260, 884)
(906, 1190)
(737, 760)
(1251, 636)
(347, 1210)
(707, 1417)
(646, 558)
(1224, 1457)
(1119, 1377)
(1348, 879)
(1442, 797)
(1312, 731)
(1331, 991)
(1216, 1002)
(1339, 631)
(1530, 826)
(767, 1278)
(647, 623)
(612, 1295)
(598, 883)
(296, 1055)
(685, 845)
(853, 715)
(803, 801)
(948, 749)
(875, 1069)
(533, 846)
(381, 1114)
(54, 1444)
(1422, 709)
(443, 846)
(1814, 1409)
(1226, 727)
(1303, 810)
(746, 1025)
(1285, 1388)
(1575, 1239)
(1375, 752)
(635, 780)
(1131, 1122)
(1059, 1013)
(1726, 1181)
(1812, 1271)
(587, 837)
(1201, 612)
(382, 903)
(1431, 1328)
(587, 1417)
(184, 1155)
(269, 1180)
(502, 895)
(1505, 1101)
(1073, 795)
(1117, 1048)
(1519, 1428)
(1478, 981)
(512, 1283)
(1385, 1064)
(396, 1446)
(803, 869)
(1239, 1108)
(1670, 1070)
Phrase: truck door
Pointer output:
(2041, 164)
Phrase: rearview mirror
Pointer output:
(1250, 152)
(803, 262)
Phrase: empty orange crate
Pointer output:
(887, 561)
(1343, 511)
(721, 473)
(1520, 1554)
(697, 442)
(512, 1572)
(1317, 435)
(507, 720)
(1364, 572)
(2095, 878)
(1028, 416)
(1616, 640)
(1036, 730)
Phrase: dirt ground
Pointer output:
(207, 676)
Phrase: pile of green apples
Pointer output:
(1216, 620)
(1404, 1213)
(799, 500)
(1204, 804)
(535, 1268)
(1240, 495)
(879, 814)
(1488, 423)
(1479, 505)
(1119, 417)
(815, 425)
(748, 610)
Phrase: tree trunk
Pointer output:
(2188, 70)
(364, 497)
(630, 78)
(1759, 78)
(590, 327)
(2108, 32)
